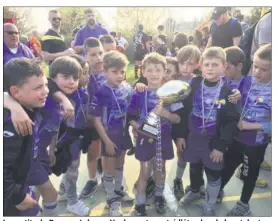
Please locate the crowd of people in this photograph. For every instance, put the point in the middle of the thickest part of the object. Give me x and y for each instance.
(85, 106)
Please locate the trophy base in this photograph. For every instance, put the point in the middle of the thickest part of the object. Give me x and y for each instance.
(148, 130)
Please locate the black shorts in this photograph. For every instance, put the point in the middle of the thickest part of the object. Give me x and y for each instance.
(72, 134)
(89, 134)
(139, 55)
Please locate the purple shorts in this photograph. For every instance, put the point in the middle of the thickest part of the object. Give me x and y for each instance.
(198, 150)
(146, 148)
(40, 169)
(123, 143)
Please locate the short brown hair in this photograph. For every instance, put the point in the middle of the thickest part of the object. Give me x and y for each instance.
(180, 40)
(173, 61)
(188, 52)
(107, 39)
(65, 65)
(264, 52)
(91, 43)
(234, 55)
(214, 52)
(114, 59)
(87, 11)
(154, 58)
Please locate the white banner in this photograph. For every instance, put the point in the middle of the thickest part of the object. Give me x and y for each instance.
(138, 219)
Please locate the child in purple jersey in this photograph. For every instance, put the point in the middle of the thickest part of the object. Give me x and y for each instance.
(65, 72)
(27, 85)
(76, 128)
(154, 66)
(172, 70)
(108, 43)
(94, 57)
(209, 123)
(254, 129)
(109, 109)
(234, 63)
(234, 79)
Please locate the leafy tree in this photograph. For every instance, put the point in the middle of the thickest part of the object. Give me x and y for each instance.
(23, 18)
(73, 17)
(255, 14)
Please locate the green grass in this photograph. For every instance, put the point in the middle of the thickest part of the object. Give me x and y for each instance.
(130, 77)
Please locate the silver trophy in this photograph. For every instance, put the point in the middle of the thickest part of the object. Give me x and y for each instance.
(171, 92)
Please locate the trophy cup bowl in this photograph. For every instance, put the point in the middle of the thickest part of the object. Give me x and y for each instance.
(171, 92)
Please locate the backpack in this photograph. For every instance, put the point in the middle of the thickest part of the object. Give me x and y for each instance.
(246, 44)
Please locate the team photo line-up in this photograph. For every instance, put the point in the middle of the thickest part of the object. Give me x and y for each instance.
(210, 98)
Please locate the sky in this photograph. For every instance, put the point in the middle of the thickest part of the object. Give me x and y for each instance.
(40, 15)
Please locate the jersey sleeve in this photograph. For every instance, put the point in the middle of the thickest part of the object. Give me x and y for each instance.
(237, 29)
(13, 143)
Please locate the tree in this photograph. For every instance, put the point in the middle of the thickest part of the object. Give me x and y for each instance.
(23, 18)
(255, 14)
(73, 17)
(128, 18)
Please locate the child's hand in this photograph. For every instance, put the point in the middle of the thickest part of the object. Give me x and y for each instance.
(235, 97)
(52, 159)
(110, 148)
(216, 156)
(21, 121)
(140, 87)
(134, 132)
(180, 144)
(243, 125)
(27, 203)
(160, 111)
(67, 109)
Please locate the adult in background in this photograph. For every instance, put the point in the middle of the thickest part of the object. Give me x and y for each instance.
(141, 48)
(52, 42)
(225, 31)
(12, 47)
(122, 42)
(246, 22)
(91, 29)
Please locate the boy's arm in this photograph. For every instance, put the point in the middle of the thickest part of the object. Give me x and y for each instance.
(13, 192)
(22, 123)
(227, 121)
(100, 129)
(68, 109)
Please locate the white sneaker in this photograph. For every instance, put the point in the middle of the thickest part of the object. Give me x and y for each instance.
(79, 209)
(115, 209)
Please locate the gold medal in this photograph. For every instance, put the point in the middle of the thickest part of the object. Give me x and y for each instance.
(204, 131)
(150, 140)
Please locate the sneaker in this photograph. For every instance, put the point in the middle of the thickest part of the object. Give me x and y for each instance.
(89, 189)
(189, 198)
(62, 197)
(114, 207)
(240, 209)
(178, 189)
(208, 210)
(266, 165)
(150, 189)
(131, 151)
(123, 194)
(261, 183)
(100, 167)
(140, 210)
(79, 209)
(201, 190)
(220, 196)
(160, 204)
